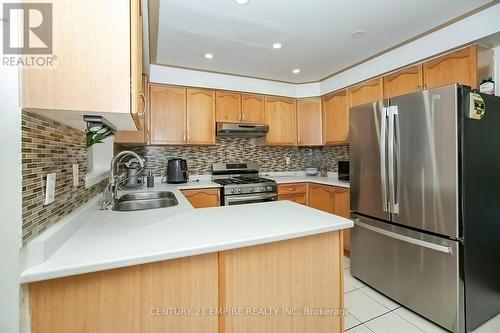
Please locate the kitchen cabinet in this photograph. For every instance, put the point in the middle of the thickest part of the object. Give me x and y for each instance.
(200, 116)
(280, 114)
(309, 122)
(252, 109)
(334, 200)
(228, 107)
(456, 67)
(296, 192)
(98, 72)
(201, 198)
(140, 136)
(365, 92)
(167, 115)
(404, 81)
(335, 119)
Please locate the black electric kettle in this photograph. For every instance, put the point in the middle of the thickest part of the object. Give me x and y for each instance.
(177, 171)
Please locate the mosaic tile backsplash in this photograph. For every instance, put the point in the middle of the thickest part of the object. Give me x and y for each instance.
(200, 158)
(47, 147)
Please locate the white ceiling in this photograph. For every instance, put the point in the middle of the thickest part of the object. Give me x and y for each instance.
(316, 34)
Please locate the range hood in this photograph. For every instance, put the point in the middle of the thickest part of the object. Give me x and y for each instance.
(241, 130)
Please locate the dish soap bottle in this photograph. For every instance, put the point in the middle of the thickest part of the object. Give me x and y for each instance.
(487, 86)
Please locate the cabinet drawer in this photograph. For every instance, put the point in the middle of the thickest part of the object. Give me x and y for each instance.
(300, 198)
(291, 188)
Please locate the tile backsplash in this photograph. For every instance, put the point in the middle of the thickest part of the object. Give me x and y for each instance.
(47, 147)
(200, 158)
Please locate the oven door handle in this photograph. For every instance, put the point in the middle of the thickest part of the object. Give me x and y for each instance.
(242, 198)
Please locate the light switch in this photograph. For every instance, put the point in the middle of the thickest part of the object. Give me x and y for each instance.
(75, 175)
(50, 189)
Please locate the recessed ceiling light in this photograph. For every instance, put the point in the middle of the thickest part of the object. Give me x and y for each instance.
(277, 45)
(296, 71)
(358, 34)
(241, 2)
(209, 55)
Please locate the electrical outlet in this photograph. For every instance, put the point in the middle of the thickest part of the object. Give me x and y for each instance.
(288, 161)
(50, 189)
(75, 175)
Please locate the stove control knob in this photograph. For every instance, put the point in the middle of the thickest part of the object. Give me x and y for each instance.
(262, 188)
(233, 191)
(251, 189)
(269, 188)
(239, 190)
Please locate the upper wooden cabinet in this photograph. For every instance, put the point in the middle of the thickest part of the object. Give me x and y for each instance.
(309, 122)
(200, 119)
(457, 67)
(228, 107)
(366, 92)
(280, 114)
(335, 119)
(404, 81)
(97, 68)
(140, 136)
(167, 115)
(252, 108)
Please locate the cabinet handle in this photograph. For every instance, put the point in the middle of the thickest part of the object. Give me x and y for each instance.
(143, 112)
(419, 87)
(292, 188)
(425, 86)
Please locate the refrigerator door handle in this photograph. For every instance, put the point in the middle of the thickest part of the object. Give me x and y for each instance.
(397, 163)
(390, 160)
(383, 161)
(418, 242)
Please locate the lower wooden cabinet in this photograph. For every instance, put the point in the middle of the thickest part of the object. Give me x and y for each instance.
(296, 192)
(202, 198)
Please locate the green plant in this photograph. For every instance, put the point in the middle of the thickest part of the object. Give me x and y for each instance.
(93, 138)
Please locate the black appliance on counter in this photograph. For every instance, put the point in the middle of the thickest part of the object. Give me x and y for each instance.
(177, 171)
(343, 170)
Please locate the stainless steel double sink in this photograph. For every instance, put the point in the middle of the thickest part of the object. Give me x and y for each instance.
(145, 200)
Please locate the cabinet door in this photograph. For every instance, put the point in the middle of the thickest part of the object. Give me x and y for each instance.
(281, 118)
(456, 67)
(335, 119)
(167, 115)
(341, 207)
(252, 108)
(200, 116)
(309, 122)
(202, 198)
(321, 197)
(404, 81)
(228, 107)
(366, 92)
(140, 136)
(137, 93)
(300, 198)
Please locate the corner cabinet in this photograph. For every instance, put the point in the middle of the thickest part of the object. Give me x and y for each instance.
(335, 119)
(98, 72)
(280, 115)
(309, 122)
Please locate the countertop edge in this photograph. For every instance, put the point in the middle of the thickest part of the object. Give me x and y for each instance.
(26, 277)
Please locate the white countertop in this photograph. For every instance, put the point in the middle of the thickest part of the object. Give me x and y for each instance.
(98, 240)
(300, 177)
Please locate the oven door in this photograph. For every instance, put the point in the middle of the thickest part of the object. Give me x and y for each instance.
(242, 199)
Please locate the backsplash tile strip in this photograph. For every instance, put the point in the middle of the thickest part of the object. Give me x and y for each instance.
(200, 158)
(48, 146)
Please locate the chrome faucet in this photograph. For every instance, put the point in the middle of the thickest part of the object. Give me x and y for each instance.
(111, 192)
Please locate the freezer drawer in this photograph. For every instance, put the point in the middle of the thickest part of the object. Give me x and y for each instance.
(417, 270)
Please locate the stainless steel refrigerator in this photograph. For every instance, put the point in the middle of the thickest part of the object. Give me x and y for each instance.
(425, 196)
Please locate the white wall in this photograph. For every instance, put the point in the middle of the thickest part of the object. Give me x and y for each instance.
(468, 30)
(10, 197)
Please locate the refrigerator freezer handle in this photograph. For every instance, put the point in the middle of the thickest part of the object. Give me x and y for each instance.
(397, 162)
(403, 238)
(390, 160)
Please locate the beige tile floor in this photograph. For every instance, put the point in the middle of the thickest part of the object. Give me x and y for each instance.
(371, 312)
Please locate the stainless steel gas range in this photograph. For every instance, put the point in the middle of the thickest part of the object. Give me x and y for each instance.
(241, 183)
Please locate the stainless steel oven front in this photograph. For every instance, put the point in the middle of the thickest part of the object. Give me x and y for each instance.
(241, 199)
